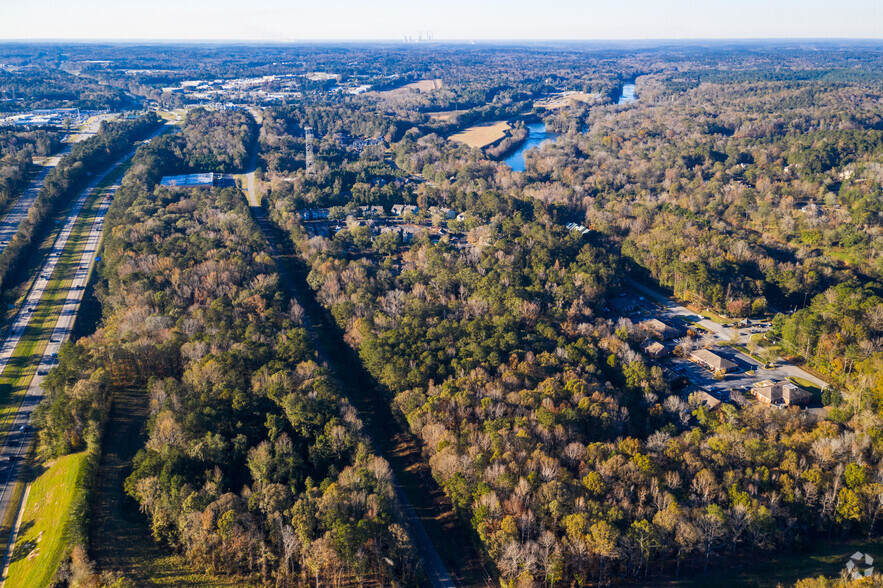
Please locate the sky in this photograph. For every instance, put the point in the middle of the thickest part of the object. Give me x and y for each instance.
(448, 20)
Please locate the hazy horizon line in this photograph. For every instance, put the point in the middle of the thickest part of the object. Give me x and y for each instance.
(463, 41)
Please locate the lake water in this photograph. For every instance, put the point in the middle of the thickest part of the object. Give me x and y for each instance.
(628, 94)
(536, 134)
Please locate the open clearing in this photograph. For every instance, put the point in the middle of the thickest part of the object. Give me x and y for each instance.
(444, 115)
(565, 99)
(412, 88)
(482, 135)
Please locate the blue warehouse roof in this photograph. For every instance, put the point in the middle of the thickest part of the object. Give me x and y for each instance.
(206, 180)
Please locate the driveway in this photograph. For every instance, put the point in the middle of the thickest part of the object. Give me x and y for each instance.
(673, 311)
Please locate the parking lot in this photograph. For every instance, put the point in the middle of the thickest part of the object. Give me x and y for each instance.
(669, 311)
(739, 379)
(642, 303)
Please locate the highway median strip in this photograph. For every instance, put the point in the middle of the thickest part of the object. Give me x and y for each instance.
(47, 313)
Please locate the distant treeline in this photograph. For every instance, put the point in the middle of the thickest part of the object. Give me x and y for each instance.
(44, 88)
(71, 174)
(17, 149)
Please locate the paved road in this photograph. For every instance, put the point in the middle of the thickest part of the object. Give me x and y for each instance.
(19, 211)
(21, 434)
(435, 567)
(92, 126)
(672, 309)
(781, 371)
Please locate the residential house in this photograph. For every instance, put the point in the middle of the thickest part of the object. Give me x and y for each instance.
(315, 213)
(446, 212)
(372, 210)
(402, 209)
(577, 228)
(406, 232)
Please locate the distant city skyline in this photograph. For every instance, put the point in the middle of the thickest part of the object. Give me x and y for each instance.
(451, 20)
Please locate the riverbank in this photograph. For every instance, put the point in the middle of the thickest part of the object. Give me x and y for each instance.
(536, 135)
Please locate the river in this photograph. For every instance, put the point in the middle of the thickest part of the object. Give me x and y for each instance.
(537, 134)
(628, 94)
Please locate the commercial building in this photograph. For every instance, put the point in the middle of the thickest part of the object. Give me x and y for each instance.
(712, 361)
(780, 393)
(660, 330)
(654, 349)
(701, 397)
(206, 180)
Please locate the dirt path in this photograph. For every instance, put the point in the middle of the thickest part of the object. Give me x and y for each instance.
(120, 538)
(117, 525)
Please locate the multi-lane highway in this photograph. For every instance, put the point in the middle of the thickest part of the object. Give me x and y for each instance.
(20, 434)
(19, 211)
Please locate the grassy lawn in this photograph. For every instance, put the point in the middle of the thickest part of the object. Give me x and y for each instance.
(744, 350)
(19, 372)
(42, 536)
(822, 559)
(847, 257)
(710, 315)
(809, 387)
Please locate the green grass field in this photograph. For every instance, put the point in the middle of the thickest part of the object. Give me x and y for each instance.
(42, 536)
(158, 569)
(850, 258)
(808, 386)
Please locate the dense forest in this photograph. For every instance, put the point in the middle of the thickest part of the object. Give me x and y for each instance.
(256, 465)
(744, 181)
(569, 453)
(17, 150)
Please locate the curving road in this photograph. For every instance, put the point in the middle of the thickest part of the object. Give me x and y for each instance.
(20, 433)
